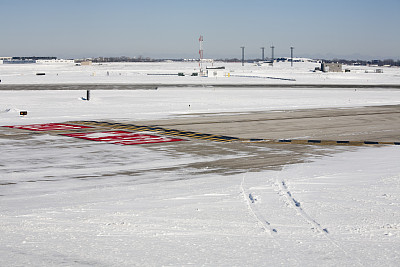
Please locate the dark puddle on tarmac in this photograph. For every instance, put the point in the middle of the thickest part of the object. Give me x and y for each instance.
(237, 157)
(79, 157)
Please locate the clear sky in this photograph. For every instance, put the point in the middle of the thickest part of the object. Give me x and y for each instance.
(364, 29)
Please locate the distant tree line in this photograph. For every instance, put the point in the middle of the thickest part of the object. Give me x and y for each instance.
(123, 59)
(132, 59)
(385, 62)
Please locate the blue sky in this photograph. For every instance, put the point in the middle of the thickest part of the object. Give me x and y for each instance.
(362, 29)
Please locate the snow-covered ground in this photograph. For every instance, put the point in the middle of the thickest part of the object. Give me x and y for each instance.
(71, 202)
(135, 105)
(300, 73)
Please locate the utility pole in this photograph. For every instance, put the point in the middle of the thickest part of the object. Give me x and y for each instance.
(242, 55)
(291, 55)
(262, 53)
(272, 49)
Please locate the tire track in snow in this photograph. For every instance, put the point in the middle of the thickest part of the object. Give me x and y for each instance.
(251, 201)
(284, 191)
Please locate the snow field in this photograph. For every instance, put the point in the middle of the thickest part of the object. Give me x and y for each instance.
(128, 105)
(71, 202)
(123, 73)
(144, 207)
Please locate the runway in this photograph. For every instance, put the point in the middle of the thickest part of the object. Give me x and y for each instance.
(223, 135)
(379, 123)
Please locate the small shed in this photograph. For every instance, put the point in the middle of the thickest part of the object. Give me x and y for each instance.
(86, 63)
(331, 67)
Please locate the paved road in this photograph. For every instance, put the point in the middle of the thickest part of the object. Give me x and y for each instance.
(380, 123)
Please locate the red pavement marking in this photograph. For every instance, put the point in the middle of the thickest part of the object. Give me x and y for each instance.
(48, 127)
(123, 138)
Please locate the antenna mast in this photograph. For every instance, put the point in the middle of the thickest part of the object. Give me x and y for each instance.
(201, 54)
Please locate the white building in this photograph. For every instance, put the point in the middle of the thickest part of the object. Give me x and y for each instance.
(218, 73)
(4, 58)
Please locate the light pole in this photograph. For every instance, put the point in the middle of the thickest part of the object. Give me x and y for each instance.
(242, 55)
(272, 50)
(291, 55)
(262, 53)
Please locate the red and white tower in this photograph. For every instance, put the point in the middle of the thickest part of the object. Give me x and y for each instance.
(201, 54)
